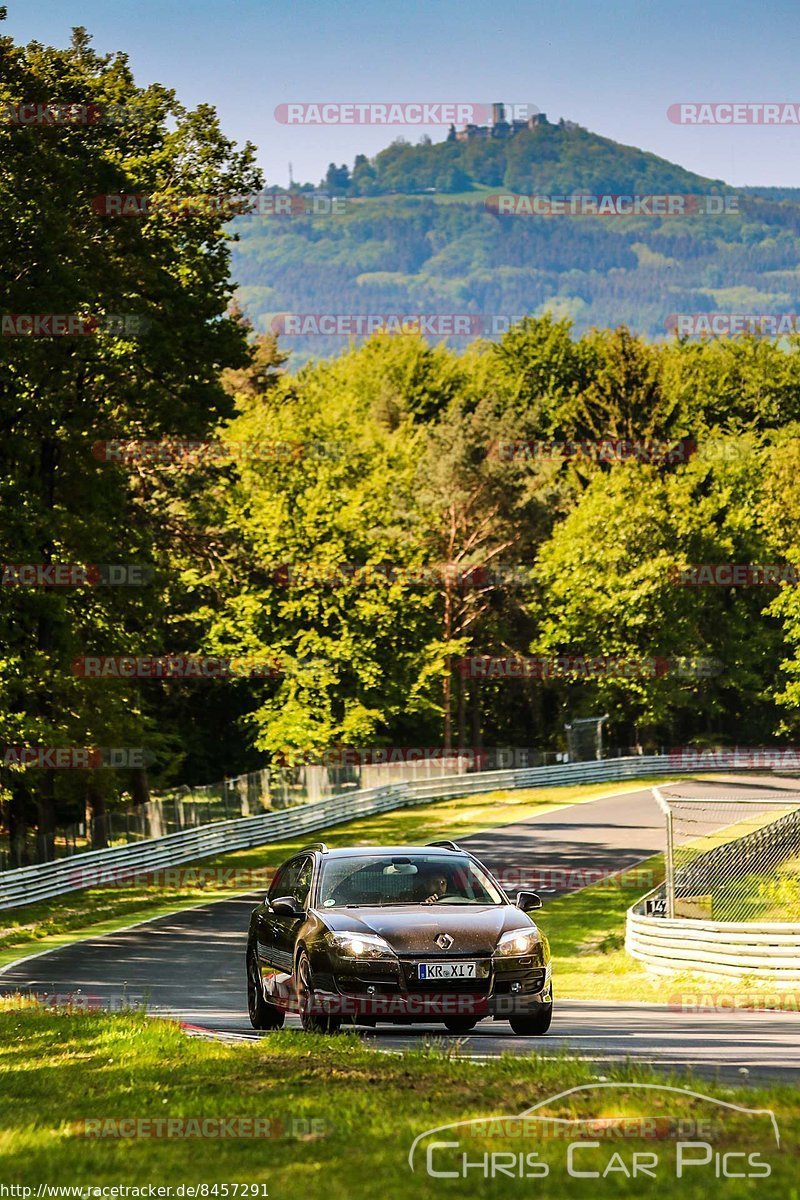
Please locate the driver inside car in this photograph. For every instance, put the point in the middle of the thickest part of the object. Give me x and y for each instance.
(433, 887)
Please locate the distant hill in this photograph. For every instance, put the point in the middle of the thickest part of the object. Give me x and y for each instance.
(417, 235)
(557, 158)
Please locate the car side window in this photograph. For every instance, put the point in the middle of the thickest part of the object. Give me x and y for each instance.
(280, 883)
(302, 884)
(293, 879)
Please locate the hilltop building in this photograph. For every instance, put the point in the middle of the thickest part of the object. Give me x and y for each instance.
(500, 127)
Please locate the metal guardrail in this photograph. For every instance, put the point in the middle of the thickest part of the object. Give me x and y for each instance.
(262, 790)
(742, 949)
(27, 885)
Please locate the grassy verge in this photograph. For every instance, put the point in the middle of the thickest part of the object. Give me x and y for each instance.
(98, 910)
(343, 1117)
(587, 936)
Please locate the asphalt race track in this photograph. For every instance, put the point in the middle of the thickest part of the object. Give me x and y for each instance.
(191, 965)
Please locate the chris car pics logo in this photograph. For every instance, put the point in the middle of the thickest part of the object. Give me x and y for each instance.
(661, 1132)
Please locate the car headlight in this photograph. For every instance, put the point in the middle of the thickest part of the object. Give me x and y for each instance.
(360, 945)
(519, 943)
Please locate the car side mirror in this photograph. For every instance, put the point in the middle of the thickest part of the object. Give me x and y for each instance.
(528, 900)
(284, 906)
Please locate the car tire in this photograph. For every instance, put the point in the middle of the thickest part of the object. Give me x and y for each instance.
(311, 1020)
(459, 1024)
(262, 1015)
(533, 1024)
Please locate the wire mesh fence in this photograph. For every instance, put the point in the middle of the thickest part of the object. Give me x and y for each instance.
(732, 858)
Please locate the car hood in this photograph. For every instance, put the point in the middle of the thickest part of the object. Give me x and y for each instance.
(413, 929)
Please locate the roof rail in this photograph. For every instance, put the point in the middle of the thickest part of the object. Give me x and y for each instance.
(445, 843)
(315, 846)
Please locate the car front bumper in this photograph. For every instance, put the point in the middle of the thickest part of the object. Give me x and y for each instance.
(508, 989)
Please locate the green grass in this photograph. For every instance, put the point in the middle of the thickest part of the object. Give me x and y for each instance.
(349, 1114)
(760, 896)
(99, 910)
(587, 937)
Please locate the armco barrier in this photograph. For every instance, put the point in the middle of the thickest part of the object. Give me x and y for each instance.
(758, 951)
(26, 885)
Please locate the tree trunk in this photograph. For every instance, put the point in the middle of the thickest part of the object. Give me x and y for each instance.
(17, 828)
(462, 710)
(46, 818)
(97, 802)
(475, 715)
(448, 666)
(139, 785)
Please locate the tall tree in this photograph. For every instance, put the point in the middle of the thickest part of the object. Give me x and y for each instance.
(152, 293)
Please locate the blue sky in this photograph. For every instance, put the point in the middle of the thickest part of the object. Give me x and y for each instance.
(614, 67)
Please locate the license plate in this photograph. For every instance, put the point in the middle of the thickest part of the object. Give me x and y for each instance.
(448, 970)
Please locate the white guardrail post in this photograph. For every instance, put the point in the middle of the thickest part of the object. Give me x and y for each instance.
(669, 860)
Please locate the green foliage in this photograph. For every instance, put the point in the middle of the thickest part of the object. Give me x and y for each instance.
(589, 547)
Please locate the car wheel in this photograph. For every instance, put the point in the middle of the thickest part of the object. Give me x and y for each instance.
(312, 1020)
(533, 1024)
(459, 1024)
(262, 1015)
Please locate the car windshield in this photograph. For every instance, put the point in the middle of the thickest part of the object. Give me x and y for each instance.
(404, 879)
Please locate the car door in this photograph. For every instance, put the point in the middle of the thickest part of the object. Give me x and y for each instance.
(265, 933)
(294, 881)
